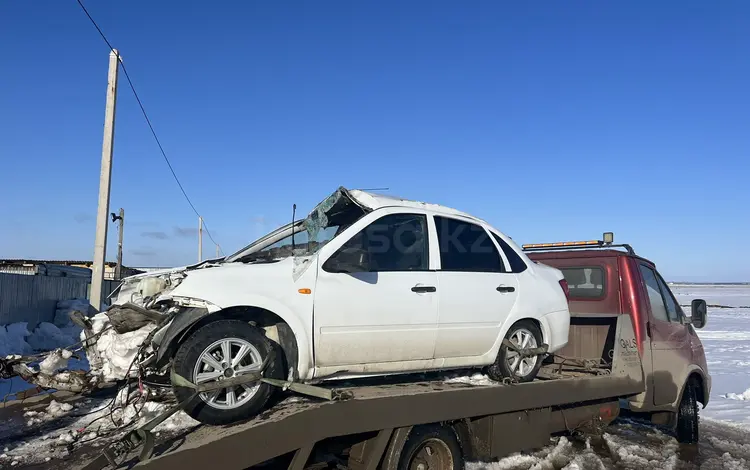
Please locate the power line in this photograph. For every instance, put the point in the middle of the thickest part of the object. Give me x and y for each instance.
(148, 121)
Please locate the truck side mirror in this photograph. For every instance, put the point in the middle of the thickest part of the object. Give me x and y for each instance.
(698, 313)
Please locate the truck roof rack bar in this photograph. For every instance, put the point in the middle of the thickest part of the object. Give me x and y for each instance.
(606, 242)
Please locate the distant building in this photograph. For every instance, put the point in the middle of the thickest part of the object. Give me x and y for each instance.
(61, 268)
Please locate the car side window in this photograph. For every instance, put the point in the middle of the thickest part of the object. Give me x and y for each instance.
(395, 242)
(672, 307)
(466, 247)
(658, 308)
(516, 263)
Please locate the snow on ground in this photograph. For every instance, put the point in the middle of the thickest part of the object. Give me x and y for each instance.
(17, 339)
(726, 339)
(473, 379)
(635, 445)
(726, 295)
(57, 430)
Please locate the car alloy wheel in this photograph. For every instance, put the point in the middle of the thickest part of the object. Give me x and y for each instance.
(223, 359)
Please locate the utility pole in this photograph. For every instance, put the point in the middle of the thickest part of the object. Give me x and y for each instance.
(200, 239)
(121, 218)
(105, 177)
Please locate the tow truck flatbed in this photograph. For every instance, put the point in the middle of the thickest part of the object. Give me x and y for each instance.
(374, 426)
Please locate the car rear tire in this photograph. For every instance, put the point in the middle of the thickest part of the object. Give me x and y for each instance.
(225, 348)
(687, 416)
(431, 447)
(524, 333)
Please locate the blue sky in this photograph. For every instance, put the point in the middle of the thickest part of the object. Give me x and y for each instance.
(553, 121)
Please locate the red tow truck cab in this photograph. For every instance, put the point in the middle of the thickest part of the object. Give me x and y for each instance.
(607, 280)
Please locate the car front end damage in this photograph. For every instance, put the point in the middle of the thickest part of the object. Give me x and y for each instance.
(121, 342)
(150, 313)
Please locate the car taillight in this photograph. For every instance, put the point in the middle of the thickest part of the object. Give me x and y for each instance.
(565, 288)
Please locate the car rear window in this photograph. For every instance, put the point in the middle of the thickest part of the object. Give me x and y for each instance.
(585, 282)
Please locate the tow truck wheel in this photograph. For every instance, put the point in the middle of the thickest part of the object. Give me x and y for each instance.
(687, 416)
(523, 334)
(431, 447)
(220, 350)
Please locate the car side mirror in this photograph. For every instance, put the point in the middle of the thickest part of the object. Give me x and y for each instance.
(349, 260)
(698, 313)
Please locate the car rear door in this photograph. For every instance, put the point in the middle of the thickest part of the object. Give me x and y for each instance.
(670, 341)
(476, 291)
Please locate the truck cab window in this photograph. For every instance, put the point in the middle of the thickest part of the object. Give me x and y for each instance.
(585, 282)
(466, 247)
(658, 308)
(672, 307)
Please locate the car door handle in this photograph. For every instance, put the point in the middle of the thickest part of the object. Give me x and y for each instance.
(424, 289)
(505, 289)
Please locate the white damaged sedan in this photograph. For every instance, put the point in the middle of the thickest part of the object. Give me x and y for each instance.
(365, 285)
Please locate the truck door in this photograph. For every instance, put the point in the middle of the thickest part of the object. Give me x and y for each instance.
(670, 341)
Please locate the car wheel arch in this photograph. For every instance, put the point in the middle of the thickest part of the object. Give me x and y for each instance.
(278, 329)
(543, 328)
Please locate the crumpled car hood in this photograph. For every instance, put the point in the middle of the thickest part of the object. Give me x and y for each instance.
(139, 288)
(210, 283)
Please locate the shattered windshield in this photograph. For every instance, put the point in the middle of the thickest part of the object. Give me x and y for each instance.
(323, 224)
(303, 245)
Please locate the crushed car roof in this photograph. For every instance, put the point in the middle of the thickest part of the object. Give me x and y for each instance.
(375, 201)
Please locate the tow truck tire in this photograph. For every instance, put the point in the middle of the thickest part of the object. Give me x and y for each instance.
(500, 369)
(687, 416)
(434, 447)
(239, 334)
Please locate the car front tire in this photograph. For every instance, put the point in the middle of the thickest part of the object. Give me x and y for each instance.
(221, 349)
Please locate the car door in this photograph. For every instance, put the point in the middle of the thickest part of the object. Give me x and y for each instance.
(476, 291)
(670, 340)
(385, 310)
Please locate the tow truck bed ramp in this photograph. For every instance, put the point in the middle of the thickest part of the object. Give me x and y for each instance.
(497, 419)
(296, 425)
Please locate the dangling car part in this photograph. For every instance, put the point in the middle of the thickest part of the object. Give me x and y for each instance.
(115, 452)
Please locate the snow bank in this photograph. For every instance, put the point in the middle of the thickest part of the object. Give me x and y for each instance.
(13, 339)
(744, 396)
(16, 339)
(47, 337)
(117, 351)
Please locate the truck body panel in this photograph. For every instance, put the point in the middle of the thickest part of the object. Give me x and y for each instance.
(607, 282)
